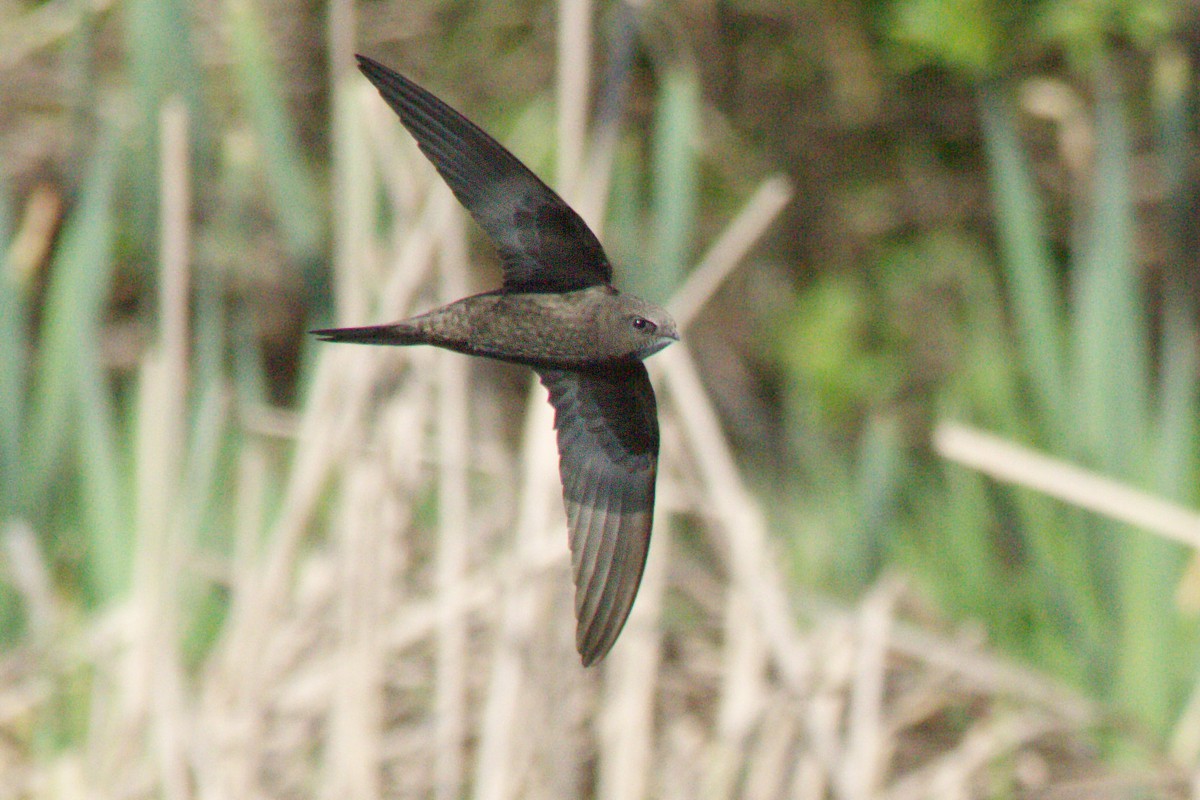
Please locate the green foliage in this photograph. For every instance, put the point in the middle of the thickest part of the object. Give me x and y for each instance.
(653, 254)
(1083, 26)
(1108, 588)
(75, 304)
(964, 34)
(675, 179)
(72, 466)
(1060, 344)
(13, 353)
(14, 313)
(827, 346)
(58, 432)
(1063, 353)
(980, 38)
(290, 185)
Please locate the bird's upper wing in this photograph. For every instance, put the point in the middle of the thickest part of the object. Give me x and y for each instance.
(608, 457)
(545, 245)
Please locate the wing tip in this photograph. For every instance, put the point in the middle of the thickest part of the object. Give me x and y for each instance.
(370, 67)
(592, 652)
(598, 638)
(598, 632)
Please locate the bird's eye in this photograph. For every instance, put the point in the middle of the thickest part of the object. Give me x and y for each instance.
(643, 324)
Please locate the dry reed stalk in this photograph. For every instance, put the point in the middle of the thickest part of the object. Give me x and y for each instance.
(1022, 466)
(26, 571)
(626, 717)
(334, 422)
(958, 773)
(352, 749)
(729, 501)
(226, 706)
(742, 233)
(965, 663)
(342, 386)
(478, 597)
(770, 755)
(453, 535)
(574, 72)
(1184, 747)
(151, 700)
(864, 760)
(501, 727)
(353, 200)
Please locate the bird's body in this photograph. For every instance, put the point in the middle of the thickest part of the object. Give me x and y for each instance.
(558, 313)
(580, 329)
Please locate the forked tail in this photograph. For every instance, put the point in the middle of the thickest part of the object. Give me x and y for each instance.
(399, 333)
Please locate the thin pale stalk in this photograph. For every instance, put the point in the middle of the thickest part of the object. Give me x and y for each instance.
(1023, 466)
(574, 73)
(746, 229)
(454, 521)
(632, 679)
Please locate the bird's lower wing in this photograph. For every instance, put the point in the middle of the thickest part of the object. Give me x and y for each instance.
(607, 427)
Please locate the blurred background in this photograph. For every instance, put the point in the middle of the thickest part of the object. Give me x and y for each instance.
(239, 564)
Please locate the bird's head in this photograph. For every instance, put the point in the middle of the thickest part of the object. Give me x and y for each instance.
(647, 328)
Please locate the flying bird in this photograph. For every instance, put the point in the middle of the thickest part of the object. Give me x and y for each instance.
(558, 313)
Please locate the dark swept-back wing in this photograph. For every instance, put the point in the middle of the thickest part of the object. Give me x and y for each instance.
(545, 245)
(608, 458)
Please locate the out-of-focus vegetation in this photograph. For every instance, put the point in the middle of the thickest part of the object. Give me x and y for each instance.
(995, 222)
(1068, 324)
